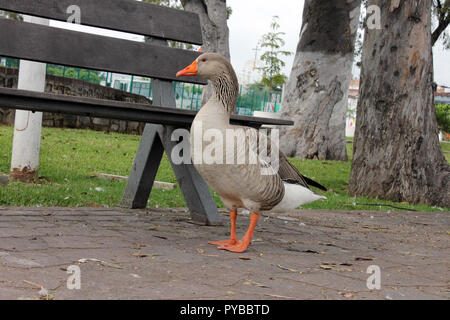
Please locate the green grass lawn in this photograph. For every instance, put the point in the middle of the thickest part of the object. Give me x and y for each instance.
(446, 149)
(70, 159)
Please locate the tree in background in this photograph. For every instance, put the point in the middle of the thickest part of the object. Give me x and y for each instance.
(216, 35)
(316, 94)
(440, 22)
(213, 16)
(441, 12)
(397, 155)
(273, 41)
(443, 117)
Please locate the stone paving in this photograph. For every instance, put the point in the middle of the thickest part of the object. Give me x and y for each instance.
(162, 254)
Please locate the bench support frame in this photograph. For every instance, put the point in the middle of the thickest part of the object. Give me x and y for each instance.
(155, 140)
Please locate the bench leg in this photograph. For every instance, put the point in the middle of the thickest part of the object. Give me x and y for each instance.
(143, 172)
(195, 190)
(156, 139)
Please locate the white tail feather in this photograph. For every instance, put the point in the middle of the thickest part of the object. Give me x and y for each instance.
(294, 196)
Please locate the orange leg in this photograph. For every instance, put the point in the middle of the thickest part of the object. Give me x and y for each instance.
(247, 239)
(233, 239)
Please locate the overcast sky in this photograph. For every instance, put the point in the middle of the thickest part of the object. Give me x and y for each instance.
(251, 19)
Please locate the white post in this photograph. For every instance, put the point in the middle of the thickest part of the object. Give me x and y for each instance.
(27, 126)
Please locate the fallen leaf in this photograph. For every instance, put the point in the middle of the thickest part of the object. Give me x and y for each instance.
(375, 227)
(200, 251)
(140, 255)
(251, 282)
(363, 259)
(33, 284)
(244, 258)
(333, 266)
(84, 260)
(348, 295)
(311, 251)
(288, 269)
(111, 265)
(325, 267)
(278, 296)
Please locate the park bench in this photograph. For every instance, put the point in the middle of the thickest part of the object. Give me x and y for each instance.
(155, 60)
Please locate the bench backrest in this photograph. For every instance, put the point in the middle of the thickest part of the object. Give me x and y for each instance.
(77, 49)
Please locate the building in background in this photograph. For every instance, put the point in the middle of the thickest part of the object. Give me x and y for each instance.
(353, 95)
(251, 72)
(442, 95)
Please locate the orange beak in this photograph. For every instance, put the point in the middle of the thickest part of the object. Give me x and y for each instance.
(190, 70)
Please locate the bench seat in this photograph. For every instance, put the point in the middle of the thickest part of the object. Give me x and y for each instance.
(91, 107)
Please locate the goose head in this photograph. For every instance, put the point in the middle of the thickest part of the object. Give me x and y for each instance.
(220, 72)
(207, 66)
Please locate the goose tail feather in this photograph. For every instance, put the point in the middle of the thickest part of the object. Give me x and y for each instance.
(296, 195)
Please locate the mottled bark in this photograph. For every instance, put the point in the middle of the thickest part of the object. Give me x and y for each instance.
(397, 155)
(316, 95)
(213, 19)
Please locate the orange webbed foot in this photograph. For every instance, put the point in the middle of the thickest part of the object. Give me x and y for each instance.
(233, 239)
(229, 242)
(247, 240)
(238, 248)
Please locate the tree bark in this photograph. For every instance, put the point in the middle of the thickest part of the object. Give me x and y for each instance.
(316, 95)
(213, 19)
(397, 155)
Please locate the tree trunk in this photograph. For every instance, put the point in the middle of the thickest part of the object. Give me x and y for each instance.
(316, 96)
(397, 155)
(213, 19)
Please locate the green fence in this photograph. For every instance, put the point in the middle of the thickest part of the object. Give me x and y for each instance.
(75, 73)
(10, 63)
(62, 71)
(250, 100)
(257, 99)
(187, 96)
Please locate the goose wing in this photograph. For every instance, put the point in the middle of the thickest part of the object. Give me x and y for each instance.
(289, 173)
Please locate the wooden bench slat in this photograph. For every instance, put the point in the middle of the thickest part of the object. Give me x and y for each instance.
(120, 15)
(53, 45)
(47, 102)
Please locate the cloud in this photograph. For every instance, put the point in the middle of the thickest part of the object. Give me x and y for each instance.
(251, 19)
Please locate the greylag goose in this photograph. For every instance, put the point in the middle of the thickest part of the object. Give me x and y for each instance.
(256, 186)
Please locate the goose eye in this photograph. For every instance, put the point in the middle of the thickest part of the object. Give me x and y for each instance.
(203, 60)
